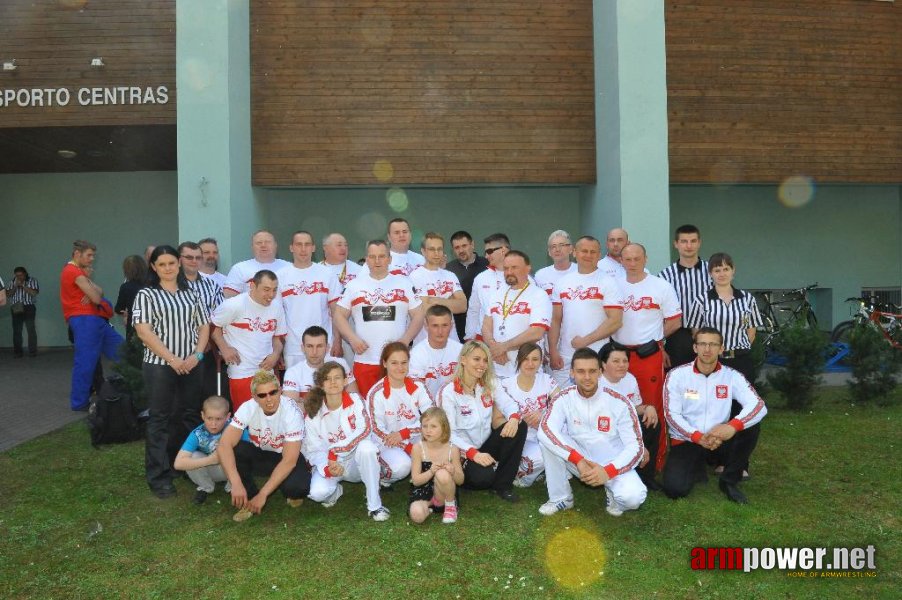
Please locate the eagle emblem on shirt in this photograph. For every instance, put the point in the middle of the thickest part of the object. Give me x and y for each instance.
(604, 424)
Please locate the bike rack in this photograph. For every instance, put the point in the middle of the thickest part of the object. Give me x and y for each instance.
(836, 352)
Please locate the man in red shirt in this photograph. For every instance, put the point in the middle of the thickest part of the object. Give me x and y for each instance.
(82, 301)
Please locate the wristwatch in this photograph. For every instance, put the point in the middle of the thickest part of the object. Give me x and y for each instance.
(199, 356)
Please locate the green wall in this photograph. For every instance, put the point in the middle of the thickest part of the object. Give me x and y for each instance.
(527, 214)
(44, 213)
(845, 238)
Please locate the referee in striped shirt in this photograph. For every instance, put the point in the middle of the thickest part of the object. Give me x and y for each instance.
(689, 277)
(734, 313)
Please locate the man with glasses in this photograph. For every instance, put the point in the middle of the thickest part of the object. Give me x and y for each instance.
(264, 438)
(697, 401)
(486, 284)
(466, 266)
(559, 250)
(210, 295)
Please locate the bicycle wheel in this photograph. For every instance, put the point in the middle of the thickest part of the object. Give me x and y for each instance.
(842, 332)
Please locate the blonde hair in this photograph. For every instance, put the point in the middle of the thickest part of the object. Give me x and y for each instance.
(487, 381)
(263, 378)
(439, 415)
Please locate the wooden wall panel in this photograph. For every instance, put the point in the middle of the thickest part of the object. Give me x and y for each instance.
(450, 92)
(760, 90)
(53, 42)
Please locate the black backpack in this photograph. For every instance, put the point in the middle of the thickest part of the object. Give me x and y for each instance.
(112, 417)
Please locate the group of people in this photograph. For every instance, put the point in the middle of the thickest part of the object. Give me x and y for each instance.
(470, 373)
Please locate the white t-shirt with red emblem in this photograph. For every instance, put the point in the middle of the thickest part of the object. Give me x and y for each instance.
(379, 311)
(627, 387)
(299, 378)
(249, 328)
(536, 399)
(434, 366)
(485, 284)
(646, 305)
(583, 298)
(401, 264)
(525, 308)
(306, 295)
(241, 274)
(344, 272)
(269, 432)
(547, 277)
(439, 283)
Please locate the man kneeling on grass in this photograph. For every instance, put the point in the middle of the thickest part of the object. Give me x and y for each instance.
(264, 437)
(697, 401)
(593, 433)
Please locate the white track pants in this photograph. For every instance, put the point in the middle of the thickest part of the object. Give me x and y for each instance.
(628, 490)
(394, 463)
(531, 463)
(360, 465)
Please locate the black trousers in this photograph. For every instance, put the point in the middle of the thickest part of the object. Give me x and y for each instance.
(686, 462)
(26, 319)
(679, 347)
(650, 437)
(173, 402)
(745, 365)
(252, 461)
(507, 453)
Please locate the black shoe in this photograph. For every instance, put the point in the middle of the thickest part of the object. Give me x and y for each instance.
(652, 485)
(733, 493)
(200, 497)
(508, 495)
(165, 492)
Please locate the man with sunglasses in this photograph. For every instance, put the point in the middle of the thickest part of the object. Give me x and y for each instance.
(486, 283)
(264, 438)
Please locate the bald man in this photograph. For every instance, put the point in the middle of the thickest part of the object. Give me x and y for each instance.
(611, 264)
(264, 249)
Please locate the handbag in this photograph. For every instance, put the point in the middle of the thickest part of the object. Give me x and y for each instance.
(17, 308)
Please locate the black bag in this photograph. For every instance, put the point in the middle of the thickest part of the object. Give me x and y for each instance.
(112, 417)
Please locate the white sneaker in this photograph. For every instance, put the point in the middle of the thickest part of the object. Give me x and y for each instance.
(613, 507)
(555, 506)
(333, 497)
(380, 514)
(228, 487)
(518, 482)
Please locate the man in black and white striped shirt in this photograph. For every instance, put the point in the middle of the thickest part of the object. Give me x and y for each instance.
(689, 277)
(20, 294)
(210, 295)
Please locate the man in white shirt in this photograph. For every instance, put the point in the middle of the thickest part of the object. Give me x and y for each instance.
(434, 285)
(651, 312)
(309, 292)
(249, 331)
(697, 404)
(383, 308)
(559, 250)
(586, 309)
(209, 266)
(264, 436)
(518, 314)
(335, 258)
(486, 283)
(403, 259)
(299, 378)
(264, 248)
(615, 242)
(592, 433)
(434, 359)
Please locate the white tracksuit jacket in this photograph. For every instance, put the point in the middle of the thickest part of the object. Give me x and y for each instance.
(398, 410)
(323, 444)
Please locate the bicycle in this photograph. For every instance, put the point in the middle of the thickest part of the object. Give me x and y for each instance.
(793, 302)
(876, 314)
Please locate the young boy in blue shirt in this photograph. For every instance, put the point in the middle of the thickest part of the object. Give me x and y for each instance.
(198, 457)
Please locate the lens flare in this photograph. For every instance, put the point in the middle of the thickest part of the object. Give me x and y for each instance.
(370, 226)
(397, 199)
(796, 191)
(383, 170)
(574, 557)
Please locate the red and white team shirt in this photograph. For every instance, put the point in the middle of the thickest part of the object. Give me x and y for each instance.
(249, 328)
(611, 268)
(434, 366)
(299, 378)
(344, 272)
(535, 399)
(627, 387)
(401, 264)
(241, 274)
(439, 283)
(217, 277)
(307, 295)
(269, 432)
(513, 312)
(379, 311)
(397, 410)
(548, 277)
(583, 298)
(646, 305)
(335, 434)
(485, 284)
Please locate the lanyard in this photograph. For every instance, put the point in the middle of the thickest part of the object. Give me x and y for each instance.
(505, 308)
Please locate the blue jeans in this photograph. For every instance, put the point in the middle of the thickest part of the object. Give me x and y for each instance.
(93, 336)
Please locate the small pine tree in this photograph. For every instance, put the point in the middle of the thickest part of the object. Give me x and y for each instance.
(129, 368)
(875, 365)
(804, 349)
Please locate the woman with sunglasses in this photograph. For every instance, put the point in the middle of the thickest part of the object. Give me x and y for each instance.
(174, 327)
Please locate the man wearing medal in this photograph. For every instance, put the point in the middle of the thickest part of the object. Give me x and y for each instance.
(518, 313)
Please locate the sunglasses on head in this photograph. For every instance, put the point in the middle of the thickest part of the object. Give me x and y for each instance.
(263, 395)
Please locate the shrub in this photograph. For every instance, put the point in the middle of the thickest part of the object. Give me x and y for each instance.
(129, 368)
(875, 365)
(804, 350)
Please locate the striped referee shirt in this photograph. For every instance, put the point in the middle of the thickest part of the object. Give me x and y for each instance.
(174, 318)
(732, 320)
(208, 291)
(688, 282)
(16, 294)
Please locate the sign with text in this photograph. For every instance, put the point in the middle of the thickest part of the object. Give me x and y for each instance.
(85, 96)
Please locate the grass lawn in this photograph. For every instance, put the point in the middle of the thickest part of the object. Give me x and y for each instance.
(80, 523)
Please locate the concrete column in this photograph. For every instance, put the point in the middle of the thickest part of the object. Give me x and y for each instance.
(215, 196)
(632, 189)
